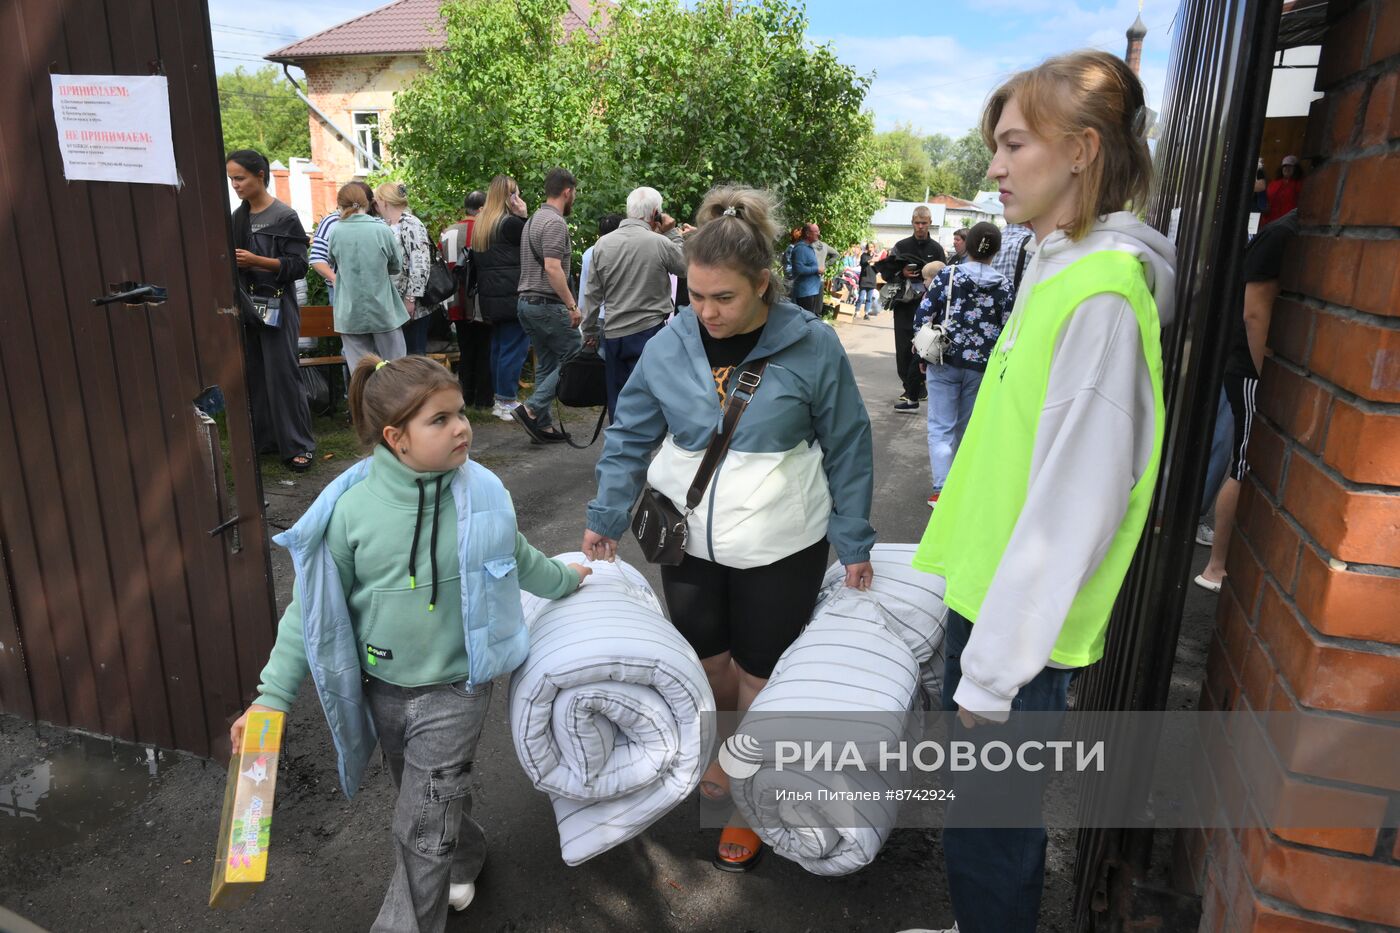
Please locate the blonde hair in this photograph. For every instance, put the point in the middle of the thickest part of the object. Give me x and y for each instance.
(493, 211)
(931, 270)
(1069, 94)
(737, 228)
(921, 211)
(389, 395)
(351, 198)
(391, 193)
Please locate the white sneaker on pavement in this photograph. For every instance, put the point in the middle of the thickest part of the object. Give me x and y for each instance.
(1205, 535)
(502, 411)
(460, 895)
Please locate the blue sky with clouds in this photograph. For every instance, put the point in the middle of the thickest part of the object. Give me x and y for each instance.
(932, 64)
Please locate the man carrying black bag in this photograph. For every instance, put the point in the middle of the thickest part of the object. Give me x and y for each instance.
(631, 274)
(901, 270)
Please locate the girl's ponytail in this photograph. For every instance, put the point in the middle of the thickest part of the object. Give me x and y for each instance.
(388, 394)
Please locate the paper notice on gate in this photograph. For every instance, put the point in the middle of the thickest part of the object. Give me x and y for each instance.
(115, 128)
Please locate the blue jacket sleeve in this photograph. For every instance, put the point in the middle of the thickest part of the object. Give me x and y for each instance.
(638, 429)
(804, 260)
(843, 429)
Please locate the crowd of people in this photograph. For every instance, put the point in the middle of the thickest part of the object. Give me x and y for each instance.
(1037, 349)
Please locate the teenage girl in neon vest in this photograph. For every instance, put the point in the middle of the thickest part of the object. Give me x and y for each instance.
(1049, 492)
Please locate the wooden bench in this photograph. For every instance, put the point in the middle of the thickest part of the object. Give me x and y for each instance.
(319, 321)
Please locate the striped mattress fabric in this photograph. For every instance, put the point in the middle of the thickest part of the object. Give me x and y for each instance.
(858, 673)
(611, 713)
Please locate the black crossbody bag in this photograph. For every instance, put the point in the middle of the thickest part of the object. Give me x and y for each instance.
(659, 526)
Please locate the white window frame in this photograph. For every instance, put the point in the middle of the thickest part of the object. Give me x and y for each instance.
(366, 138)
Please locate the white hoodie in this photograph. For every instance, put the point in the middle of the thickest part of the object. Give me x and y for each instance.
(1094, 440)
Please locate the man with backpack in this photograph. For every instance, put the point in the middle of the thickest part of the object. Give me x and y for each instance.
(473, 333)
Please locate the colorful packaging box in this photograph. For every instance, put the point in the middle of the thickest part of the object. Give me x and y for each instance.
(246, 826)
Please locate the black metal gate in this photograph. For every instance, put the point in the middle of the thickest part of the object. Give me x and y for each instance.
(1217, 89)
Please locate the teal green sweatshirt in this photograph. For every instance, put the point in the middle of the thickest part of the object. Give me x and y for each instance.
(402, 640)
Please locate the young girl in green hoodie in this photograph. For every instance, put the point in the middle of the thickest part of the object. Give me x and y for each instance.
(406, 605)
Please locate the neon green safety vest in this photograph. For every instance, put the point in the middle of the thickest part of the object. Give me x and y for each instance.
(986, 488)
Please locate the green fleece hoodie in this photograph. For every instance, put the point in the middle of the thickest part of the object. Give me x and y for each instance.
(408, 639)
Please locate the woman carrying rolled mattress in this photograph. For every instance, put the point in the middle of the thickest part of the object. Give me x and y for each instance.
(797, 475)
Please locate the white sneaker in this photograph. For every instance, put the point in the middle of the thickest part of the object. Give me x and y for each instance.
(502, 411)
(460, 895)
(1205, 535)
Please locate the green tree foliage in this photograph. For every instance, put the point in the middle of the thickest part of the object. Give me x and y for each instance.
(677, 99)
(903, 163)
(259, 110)
(911, 163)
(968, 160)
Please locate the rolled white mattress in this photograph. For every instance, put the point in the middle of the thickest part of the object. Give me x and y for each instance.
(611, 713)
(855, 676)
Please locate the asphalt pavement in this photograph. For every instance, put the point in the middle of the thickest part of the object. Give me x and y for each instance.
(131, 849)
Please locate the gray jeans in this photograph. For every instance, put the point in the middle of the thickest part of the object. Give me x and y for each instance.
(429, 737)
(387, 346)
(555, 341)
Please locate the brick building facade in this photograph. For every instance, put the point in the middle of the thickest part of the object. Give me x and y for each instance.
(1309, 617)
(354, 69)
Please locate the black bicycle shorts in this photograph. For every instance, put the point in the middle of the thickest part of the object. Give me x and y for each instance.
(753, 614)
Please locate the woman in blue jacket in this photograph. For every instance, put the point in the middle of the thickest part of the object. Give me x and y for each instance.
(798, 473)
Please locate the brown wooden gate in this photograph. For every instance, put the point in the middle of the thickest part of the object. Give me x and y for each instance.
(120, 612)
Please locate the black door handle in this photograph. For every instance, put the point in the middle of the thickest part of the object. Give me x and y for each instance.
(132, 293)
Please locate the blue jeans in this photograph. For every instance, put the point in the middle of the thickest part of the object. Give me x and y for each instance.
(996, 875)
(869, 299)
(951, 394)
(555, 341)
(415, 335)
(1219, 452)
(508, 348)
(620, 355)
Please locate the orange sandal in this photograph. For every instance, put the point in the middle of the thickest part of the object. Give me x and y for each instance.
(745, 839)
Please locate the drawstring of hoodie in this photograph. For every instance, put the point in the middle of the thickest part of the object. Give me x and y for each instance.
(432, 542)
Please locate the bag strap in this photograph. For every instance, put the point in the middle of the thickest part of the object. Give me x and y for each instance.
(739, 398)
(1020, 265)
(569, 438)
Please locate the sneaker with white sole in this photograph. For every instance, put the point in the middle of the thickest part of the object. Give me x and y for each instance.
(502, 411)
(460, 895)
(1205, 535)
(906, 406)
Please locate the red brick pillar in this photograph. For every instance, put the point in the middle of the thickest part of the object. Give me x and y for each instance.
(320, 205)
(1310, 614)
(281, 186)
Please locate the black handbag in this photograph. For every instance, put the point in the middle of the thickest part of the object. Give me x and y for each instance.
(583, 383)
(660, 527)
(442, 284)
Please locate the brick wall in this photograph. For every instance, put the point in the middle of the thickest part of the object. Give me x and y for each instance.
(1310, 614)
(339, 87)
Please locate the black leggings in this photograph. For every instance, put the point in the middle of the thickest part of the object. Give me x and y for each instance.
(754, 614)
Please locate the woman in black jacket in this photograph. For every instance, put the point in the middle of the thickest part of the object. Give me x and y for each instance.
(496, 253)
(270, 252)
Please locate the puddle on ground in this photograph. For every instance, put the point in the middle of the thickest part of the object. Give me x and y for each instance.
(73, 790)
